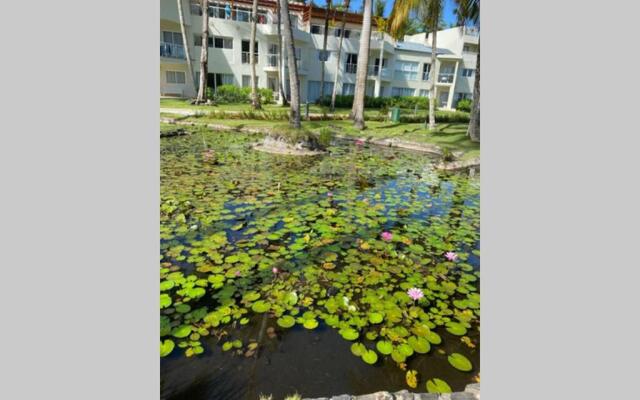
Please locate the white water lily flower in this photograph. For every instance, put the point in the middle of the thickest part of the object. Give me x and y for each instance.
(194, 227)
(346, 301)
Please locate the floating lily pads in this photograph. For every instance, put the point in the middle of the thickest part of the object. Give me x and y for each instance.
(181, 331)
(436, 385)
(286, 321)
(166, 347)
(349, 333)
(260, 306)
(370, 357)
(456, 328)
(419, 344)
(460, 362)
(384, 347)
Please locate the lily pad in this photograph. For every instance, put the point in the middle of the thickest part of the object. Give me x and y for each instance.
(181, 331)
(460, 362)
(456, 328)
(419, 345)
(436, 385)
(260, 306)
(384, 347)
(166, 347)
(286, 321)
(310, 324)
(349, 333)
(375, 318)
(370, 357)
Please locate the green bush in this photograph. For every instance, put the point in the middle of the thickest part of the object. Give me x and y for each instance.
(325, 137)
(378, 102)
(464, 105)
(228, 94)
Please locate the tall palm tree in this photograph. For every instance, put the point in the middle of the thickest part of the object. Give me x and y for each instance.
(381, 24)
(468, 12)
(187, 52)
(204, 53)
(429, 11)
(282, 99)
(255, 98)
(345, 8)
(357, 111)
(324, 47)
(294, 115)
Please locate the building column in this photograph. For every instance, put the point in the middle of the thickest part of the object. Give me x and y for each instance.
(453, 85)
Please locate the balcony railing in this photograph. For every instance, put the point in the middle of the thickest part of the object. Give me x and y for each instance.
(246, 57)
(234, 14)
(171, 50)
(350, 68)
(445, 78)
(374, 69)
(272, 60)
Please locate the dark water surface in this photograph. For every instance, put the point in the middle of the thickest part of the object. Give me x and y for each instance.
(318, 362)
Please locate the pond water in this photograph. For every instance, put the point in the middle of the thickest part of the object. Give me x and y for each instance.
(284, 274)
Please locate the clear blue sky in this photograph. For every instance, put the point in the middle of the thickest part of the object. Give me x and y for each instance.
(356, 4)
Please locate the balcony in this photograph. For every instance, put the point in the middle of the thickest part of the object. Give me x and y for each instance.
(350, 68)
(471, 31)
(246, 57)
(373, 70)
(171, 50)
(445, 78)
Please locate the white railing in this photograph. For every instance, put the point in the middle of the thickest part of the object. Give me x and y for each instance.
(272, 60)
(171, 50)
(445, 78)
(234, 14)
(350, 68)
(374, 69)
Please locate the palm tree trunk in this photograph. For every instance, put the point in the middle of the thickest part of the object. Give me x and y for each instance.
(474, 124)
(294, 116)
(255, 98)
(187, 52)
(324, 47)
(432, 81)
(335, 76)
(381, 58)
(357, 111)
(283, 96)
(204, 54)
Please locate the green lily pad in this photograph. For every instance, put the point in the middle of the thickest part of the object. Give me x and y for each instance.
(455, 328)
(310, 324)
(375, 318)
(181, 331)
(286, 321)
(436, 385)
(260, 306)
(166, 347)
(349, 333)
(460, 362)
(358, 349)
(405, 349)
(165, 300)
(419, 345)
(226, 346)
(384, 347)
(433, 338)
(370, 357)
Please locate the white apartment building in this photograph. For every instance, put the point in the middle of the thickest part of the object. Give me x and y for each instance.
(396, 68)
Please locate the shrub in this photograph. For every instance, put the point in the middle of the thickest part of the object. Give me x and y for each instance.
(227, 94)
(464, 105)
(378, 102)
(325, 137)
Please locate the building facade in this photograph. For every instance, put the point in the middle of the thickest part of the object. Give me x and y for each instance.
(396, 68)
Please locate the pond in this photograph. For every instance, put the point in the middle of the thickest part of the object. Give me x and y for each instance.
(347, 272)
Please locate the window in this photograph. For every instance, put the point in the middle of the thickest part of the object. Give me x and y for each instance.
(197, 40)
(323, 56)
(425, 93)
(195, 8)
(172, 37)
(222, 42)
(352, 63)
(272, 57)
(246, 59)
(223, 79)
(470, 48)
(426, 68)
(246, 81)
(348, 89)
(175, 77)
(406, 71)
(317, 30)
(468, 72)
(397, 91)
(446, 73)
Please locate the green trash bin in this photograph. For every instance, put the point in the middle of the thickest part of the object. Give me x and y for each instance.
(395, 114)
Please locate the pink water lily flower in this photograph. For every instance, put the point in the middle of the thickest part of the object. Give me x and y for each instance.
(274, 270)
(238, 273)
(415, 294)
(387, 236)
(451, 256)
(329, 194)
(359, 142)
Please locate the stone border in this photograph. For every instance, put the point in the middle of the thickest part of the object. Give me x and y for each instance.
(389, 142)
(471, 392)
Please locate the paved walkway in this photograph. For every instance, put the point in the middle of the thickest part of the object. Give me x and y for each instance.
(471, 392)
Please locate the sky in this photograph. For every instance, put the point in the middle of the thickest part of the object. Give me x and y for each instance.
(356, 4)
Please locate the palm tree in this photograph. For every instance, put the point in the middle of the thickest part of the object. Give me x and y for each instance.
(345, 8)
(187, 52)
(282, 99)
(324, 47)
(429, 11)
(381, 24)
(357, 111)
(255, 98)
(468, 12)
(204, 53)
(294, 115)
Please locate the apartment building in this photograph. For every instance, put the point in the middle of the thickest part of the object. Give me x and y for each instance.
(396, 68)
